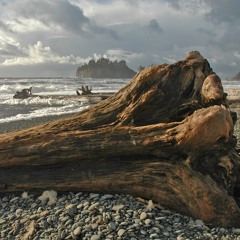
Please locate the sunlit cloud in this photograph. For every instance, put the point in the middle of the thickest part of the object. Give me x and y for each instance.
(38, 54)
(119, 54)
(236, 54)
(27, 25)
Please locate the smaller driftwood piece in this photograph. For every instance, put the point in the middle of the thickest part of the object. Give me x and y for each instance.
(24, 93)
(166, 136)
(84, 90)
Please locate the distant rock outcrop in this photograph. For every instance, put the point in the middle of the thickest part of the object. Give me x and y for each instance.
(236, 77)
(104, 68)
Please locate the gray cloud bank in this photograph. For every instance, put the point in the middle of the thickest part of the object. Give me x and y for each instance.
(52, 38)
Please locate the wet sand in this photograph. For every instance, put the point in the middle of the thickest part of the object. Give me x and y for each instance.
(21, 124)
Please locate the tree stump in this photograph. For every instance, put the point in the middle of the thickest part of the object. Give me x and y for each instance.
(166, 136)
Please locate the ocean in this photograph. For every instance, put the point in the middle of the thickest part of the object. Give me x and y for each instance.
(25, 109)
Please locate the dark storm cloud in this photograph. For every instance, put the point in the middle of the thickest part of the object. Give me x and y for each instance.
(206, 32)
(230, 40)
(40, 70)
(11, 50)
(174, 4)
(223, 67)
(58, 12)
(224, 11)
(55, 14)
(218, 10)
(4, 27)
(190, 6)
(154, 26)
(107, 31)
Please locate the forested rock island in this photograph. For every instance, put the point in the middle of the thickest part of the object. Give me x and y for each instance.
(104, 68)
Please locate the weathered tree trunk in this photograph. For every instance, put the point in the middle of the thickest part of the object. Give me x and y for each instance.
(166, 136)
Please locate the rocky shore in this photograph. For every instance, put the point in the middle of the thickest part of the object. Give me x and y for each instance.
(92, 216)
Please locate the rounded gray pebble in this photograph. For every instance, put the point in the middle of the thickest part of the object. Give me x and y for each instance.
(112, 225)
(148, 221)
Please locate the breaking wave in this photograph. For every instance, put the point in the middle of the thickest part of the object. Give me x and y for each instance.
(18, 109)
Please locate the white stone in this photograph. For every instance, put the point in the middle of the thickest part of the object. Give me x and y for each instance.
(143, 232)
(93, 206)
(121, 232)
(150, 205)
(166, 234)
(222, 230)
(14, 199)
(95, 237)
(77, 231)
(94, 195)
(154, 235)
(70, 206)
(2, 220)
(236, 230)
(191, 222)
(117, 207)
(199, 222)
(148, 221)
(180, 237)
(106, 196)
(79, 206)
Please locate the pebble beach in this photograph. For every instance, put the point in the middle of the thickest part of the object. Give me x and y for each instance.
(94, 216)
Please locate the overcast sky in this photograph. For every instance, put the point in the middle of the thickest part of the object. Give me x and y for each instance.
(54, 37)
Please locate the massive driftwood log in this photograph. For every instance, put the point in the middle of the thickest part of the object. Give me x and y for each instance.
(166, 136)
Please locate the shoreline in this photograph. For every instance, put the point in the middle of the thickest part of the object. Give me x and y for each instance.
(233, 101)
(5, 127)
(27, 123)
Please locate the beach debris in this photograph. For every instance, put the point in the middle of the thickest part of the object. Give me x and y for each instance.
(24, 93)
(49, 196)
(25, 195)
(84, 90)
(31, 229)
